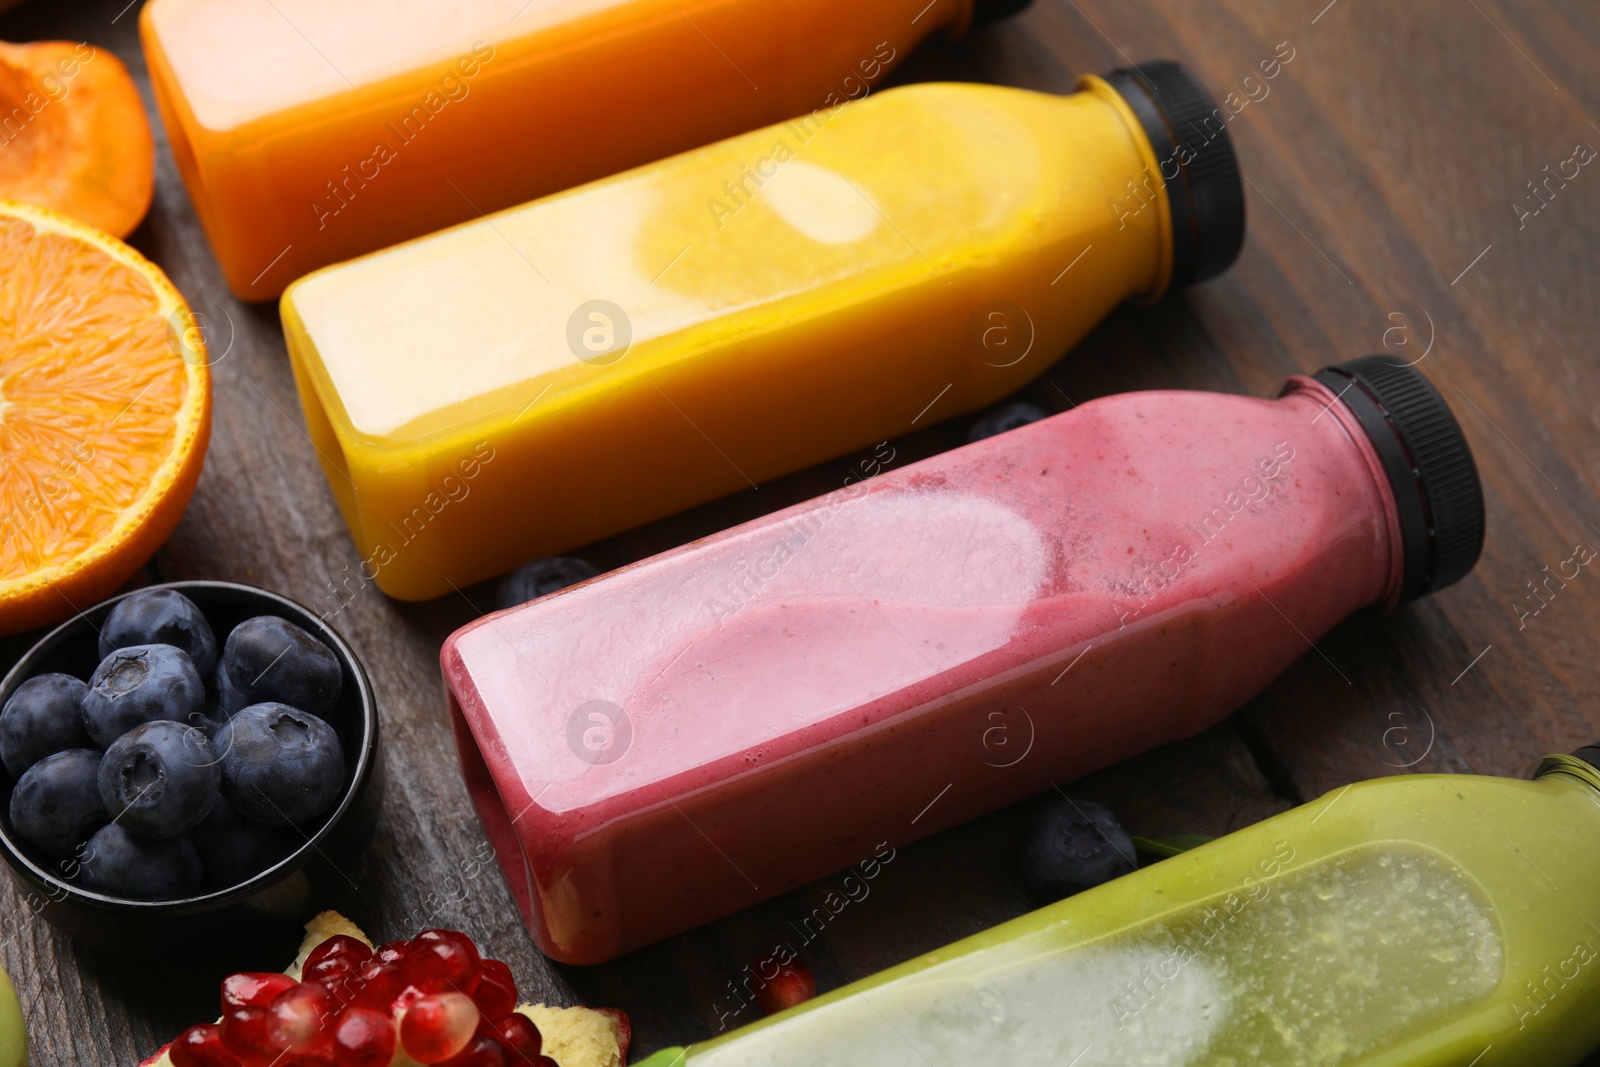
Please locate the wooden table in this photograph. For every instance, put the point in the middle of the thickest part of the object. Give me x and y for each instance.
(1386, 165)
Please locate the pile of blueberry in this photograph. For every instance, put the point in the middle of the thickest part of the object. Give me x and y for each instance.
(174, 768)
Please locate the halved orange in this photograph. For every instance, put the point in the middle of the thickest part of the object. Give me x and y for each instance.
(105, 409)
(74, 135)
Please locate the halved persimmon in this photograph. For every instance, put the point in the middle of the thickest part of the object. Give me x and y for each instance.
(73, 134)
(105, 410)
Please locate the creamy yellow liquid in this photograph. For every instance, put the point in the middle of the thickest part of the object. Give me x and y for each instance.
(414, 330)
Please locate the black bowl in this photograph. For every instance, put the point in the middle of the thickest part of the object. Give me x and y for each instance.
(278, 897)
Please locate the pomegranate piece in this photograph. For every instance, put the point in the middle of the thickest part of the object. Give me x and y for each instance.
(442, 960)
(438, 1026)
(299, 1019)
(519, 1037)
(317, 1057)
(252, 990)
(376, 984)
(341, 946)
(483, 1051)
(625, 1028)
(785, 983)
(201, 1046)
(247, 1033)
(363, 1038)
(496, 994)
(391, 952)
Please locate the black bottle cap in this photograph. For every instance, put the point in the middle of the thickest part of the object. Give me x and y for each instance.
(987, 11)
(1204, 189)
(1429, 463)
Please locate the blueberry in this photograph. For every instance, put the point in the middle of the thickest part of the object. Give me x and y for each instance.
(269, 659)
(208, 720)
(280, 765)
(160, 779)
(120, 864)
(160, 617)
(234, 849)
(56, 804)
(1073, 845)
(1007, 417)
(138, 684)
(41, 719)
(229, 699)
(540, 578)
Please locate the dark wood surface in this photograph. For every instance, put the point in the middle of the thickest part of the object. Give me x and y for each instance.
(1383, 167)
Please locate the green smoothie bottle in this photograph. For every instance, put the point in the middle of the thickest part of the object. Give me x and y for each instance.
(1424, 920)
(13, 1034)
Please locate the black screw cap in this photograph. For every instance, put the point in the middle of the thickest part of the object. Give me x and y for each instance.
(1205, 191)
(987, 11)
(1429, 463)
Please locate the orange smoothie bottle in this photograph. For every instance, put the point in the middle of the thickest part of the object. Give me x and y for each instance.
(308, 132)
(536, 380)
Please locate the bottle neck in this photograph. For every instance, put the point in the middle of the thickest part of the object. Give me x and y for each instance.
(1569, 766)
(1146, 179)
(1330, 409)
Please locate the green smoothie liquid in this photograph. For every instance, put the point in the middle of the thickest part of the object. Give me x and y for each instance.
(1419, 920)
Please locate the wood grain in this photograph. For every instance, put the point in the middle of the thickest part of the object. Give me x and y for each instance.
(1383, 167)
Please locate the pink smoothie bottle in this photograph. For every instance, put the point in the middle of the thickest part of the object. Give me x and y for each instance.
(723, 722)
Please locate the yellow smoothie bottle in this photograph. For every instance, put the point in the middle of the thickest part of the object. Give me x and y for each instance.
(562, 371)
(1412, 921)
(310, 131)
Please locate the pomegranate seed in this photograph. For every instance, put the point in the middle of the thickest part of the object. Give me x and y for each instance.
(246, 1034)
(496, 994)
(317, 1057)
(251, 990)
(301, 1017)
(408, 996)
(327, 967)
(201, 1046)
(391, 952)
(438, 1027)
(376, 985)
(483, 1051)
(338, 946)
(519, 1036)
(363, 1038)
(785, 983)
(441, 960)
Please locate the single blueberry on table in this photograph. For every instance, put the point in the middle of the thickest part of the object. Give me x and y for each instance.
(234, 849)
(271, 660)
(1003, 419)
(139, 684)
(541, 577)
(56, 804)
(160, 779)
(1073, 845)
(120, 864)
(280, 765)
(161, 617)
(42, 717)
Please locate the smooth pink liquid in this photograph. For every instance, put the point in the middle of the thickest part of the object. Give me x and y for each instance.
(916, 649)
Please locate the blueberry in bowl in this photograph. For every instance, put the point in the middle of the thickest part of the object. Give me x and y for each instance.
(146, 808)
